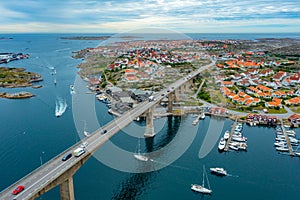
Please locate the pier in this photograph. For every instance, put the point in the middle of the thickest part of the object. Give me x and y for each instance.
(230, 135)
(287, 139)
(197, 119)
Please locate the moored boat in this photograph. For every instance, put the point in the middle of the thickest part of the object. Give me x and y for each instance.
(283, 149)
(202, 116)
(226, 134)
(222, 144)
(239, 139)
(234, 147)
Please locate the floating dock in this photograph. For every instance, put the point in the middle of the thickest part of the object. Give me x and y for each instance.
(230, 135)
(287, 139)
(195, 122)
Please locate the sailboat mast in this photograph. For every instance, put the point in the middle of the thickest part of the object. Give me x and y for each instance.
(203, 176)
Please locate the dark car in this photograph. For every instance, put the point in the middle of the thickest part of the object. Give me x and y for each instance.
(19, 189)
(104, 131)
(66, 157)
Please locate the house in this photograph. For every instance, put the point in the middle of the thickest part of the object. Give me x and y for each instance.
(244, 82)
(279, 94)
(295, 78)
(275, 103)
(264, 88)
(295, 118)
(265, 72)
(227, 83)
(293, 101)
(279, 76)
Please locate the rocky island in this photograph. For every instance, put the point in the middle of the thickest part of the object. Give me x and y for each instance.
(18, 77)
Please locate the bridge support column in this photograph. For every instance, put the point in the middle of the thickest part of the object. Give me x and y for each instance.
(67, 189)
(170, 103)
(149, 132)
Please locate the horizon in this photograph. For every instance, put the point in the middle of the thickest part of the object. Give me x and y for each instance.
(104, 16)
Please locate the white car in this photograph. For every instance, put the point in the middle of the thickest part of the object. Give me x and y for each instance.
(83, 145)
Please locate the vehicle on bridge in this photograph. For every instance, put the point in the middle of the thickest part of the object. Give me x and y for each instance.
(78, 152)
(151, 98)
(19, 189)
(104, 131)
(66, 157)
(83, 145)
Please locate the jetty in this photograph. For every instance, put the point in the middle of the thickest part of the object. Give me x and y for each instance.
(230, 135)
(287, 139)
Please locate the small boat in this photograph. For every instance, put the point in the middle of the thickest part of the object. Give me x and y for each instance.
(278, 129)
(242, 146)
(280, 144)
(239, 139)
(291, 133)
(201, 188)
(140, 156)
(283, 149)
(226, 135)
(239, 127)
(202, 116)
(222, 144)
(58, 114)
(218, 171)
(294, 140)
(234, 147)
(297, 154)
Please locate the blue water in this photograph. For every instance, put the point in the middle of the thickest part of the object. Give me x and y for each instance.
(31, 134)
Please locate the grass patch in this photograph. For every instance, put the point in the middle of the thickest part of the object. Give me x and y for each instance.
(277, 111)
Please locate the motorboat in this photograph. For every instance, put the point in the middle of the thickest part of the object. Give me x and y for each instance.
(234, 147)
(242, 146)
(239, 139)
(283, 149)
(140, 156)
(280, 144)
(222, 144)
(202, 116)
(218, 171)
(226, 135)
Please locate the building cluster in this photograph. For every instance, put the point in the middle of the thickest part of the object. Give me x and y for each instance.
(257, 81)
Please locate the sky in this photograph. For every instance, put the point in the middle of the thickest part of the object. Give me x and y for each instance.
(192, 16)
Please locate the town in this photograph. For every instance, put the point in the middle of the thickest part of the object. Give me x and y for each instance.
(250, 76)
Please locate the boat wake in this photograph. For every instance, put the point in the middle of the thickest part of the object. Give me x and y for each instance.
(232, 175)
(60, 107)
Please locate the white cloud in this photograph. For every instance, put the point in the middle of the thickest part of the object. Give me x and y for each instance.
(115, 16)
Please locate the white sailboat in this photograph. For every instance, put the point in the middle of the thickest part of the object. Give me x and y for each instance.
(140, 156)
(201, 188)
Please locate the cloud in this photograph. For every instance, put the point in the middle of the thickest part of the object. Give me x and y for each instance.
(114, 16)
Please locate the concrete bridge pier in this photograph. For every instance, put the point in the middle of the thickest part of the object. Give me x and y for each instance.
(170, 103)
(149, 132)
(67, 189)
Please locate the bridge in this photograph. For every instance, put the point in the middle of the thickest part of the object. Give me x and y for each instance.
(57, 172)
